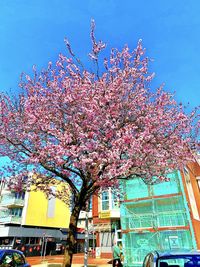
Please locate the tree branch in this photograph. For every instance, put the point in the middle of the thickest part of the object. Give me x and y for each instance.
(61, 175)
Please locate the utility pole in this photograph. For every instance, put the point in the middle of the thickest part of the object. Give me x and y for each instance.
(86, 235)
(43, 248)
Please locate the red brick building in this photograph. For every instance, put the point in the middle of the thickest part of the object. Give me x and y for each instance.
(106, 220)
(191, 183)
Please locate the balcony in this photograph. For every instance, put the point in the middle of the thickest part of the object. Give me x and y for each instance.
(159, 220)
(10, 201)
(10, 219)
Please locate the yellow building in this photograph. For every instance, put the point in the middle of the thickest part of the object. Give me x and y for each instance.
(45, 212)
(30, 219)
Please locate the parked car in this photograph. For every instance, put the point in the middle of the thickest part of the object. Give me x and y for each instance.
(12, 258)
(181, 258)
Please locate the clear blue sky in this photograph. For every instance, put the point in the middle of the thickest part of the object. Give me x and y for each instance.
(32, 32)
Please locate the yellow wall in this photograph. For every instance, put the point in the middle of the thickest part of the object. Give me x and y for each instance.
(36, 213)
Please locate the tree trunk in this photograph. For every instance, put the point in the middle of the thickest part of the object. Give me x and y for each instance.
(71, 239)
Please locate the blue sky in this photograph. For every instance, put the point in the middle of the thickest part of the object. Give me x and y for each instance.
(32, 32)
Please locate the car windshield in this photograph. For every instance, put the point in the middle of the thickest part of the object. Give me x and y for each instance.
(1, 253)
(179, 261)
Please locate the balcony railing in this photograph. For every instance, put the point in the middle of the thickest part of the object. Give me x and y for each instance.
(11, 219)
(12, 202)
(178, 218)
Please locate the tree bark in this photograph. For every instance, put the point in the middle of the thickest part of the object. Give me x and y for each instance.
(71, 239)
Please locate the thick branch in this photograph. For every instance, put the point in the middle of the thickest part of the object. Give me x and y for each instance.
(61, 175)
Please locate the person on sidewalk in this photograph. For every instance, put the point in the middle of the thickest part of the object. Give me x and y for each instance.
(117, 255)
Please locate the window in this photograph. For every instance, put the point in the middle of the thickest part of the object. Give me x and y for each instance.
(90, 203)
(18, 259)
(115, 201)
(32, 240)
(12, 259)
(105, 200)
(19, 195)
(16, 212)
(51, 204)
(179, 261)
(7, 260)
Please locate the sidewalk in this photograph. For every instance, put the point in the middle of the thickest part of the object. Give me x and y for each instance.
(57, 260)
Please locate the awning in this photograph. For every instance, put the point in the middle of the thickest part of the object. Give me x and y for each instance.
(14, 231)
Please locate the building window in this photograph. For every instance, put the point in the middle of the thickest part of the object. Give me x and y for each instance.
(16, 212)
(51, 204)
(115, 201)
(19, 195)
(90, 203)
(105, 200)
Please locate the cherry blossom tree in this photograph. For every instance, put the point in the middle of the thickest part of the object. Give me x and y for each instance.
(91, 129)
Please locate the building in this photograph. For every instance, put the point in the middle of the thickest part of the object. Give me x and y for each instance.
(32, 222)
(160, 216)
(191, 182)
(106, 221)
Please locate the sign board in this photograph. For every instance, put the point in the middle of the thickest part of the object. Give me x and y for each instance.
(174, 242)
(104, 214)
(98, 252)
